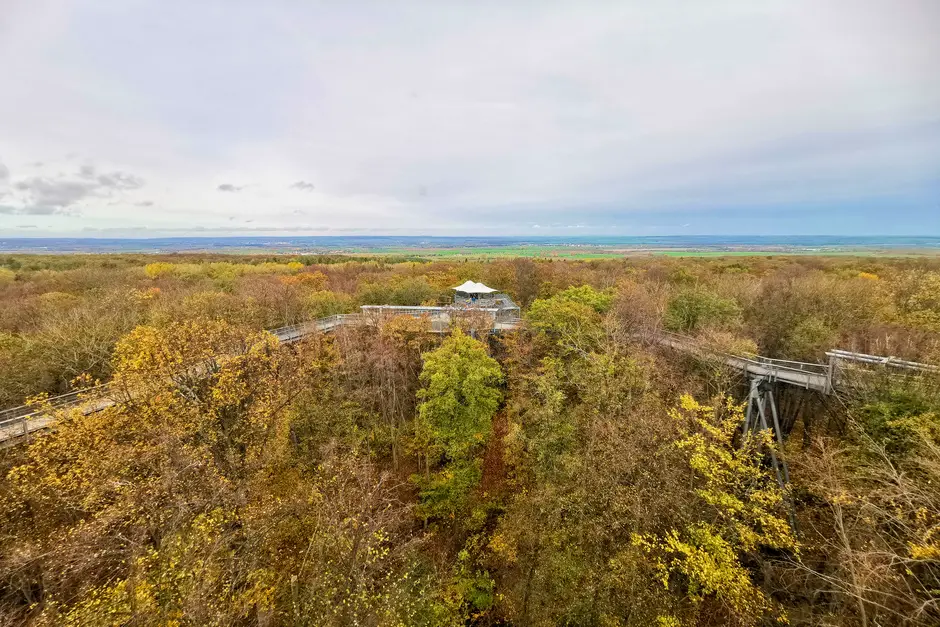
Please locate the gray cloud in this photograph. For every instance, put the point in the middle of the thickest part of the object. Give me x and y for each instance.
(43, 196)
(303, 186)
(120, 180)
(4, 173)
(46, 192)
(228, 187)
(145, 203)
(7, 210)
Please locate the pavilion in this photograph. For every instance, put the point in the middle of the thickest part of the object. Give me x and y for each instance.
(471, 291)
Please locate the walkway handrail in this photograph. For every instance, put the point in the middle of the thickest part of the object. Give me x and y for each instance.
(815, 375)
(785, 364)
(878, 360)
(15, 414)
(21, 414)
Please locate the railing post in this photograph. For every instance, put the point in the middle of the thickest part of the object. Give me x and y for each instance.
(830, 374)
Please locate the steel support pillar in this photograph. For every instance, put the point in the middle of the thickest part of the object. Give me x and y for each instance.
(760, 398)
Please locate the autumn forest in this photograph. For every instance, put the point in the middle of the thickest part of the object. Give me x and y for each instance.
(570, 471)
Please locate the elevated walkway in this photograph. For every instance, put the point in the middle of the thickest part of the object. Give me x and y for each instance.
(17, 423)
(801, 374)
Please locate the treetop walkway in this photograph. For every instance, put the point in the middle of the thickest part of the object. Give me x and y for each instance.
(17, 423)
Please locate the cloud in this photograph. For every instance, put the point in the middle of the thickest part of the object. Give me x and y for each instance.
(601, 113)
(4, 173)
(26, 226)
(52, 193)
(7, 210)
(120, 180)
(144, 203)
(62, 195)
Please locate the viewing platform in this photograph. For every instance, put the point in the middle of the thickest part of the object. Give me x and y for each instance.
(474, 303)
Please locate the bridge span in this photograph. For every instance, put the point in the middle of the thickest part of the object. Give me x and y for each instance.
(17, 423)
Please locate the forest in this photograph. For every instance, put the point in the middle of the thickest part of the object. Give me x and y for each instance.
(572, 471)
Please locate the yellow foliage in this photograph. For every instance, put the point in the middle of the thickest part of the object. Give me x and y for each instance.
(56, 300)
(504, 548)
(313, 280)
(746, 505)
(222, 270)
(157, 270)
(7, 276)
(142, 296)
(168, 585)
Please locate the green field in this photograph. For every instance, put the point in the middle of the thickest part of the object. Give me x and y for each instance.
(584, 253)
(498, 252)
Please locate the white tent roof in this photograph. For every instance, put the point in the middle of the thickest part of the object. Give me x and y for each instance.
(474, 288)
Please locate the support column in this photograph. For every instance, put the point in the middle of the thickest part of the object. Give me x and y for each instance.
(755, 419)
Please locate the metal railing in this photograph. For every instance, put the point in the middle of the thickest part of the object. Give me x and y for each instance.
(14, 420)
(877, 360)
(13, 415)
(777, 365)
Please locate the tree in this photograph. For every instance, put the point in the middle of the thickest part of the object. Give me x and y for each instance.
(7, 276)
(695, 308)
(136, 512)
(526, 283)
(876, 514)
(741, 514)
(460, 396)
(572, 318)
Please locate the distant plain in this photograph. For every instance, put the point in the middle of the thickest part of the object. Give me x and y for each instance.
(439, 247)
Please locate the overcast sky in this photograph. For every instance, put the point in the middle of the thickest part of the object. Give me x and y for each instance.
(137, 117)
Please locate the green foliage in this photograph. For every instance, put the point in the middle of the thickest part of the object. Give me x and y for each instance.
(922, 302)
(324, 303)
(473, 585)
(444, 494)
(409, 291)
(810, 339)
(571, 319)
(696, 308)
(459, 399)
(599, 301)
(894, 415)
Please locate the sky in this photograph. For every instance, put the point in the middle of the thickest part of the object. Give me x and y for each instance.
(234, 117)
